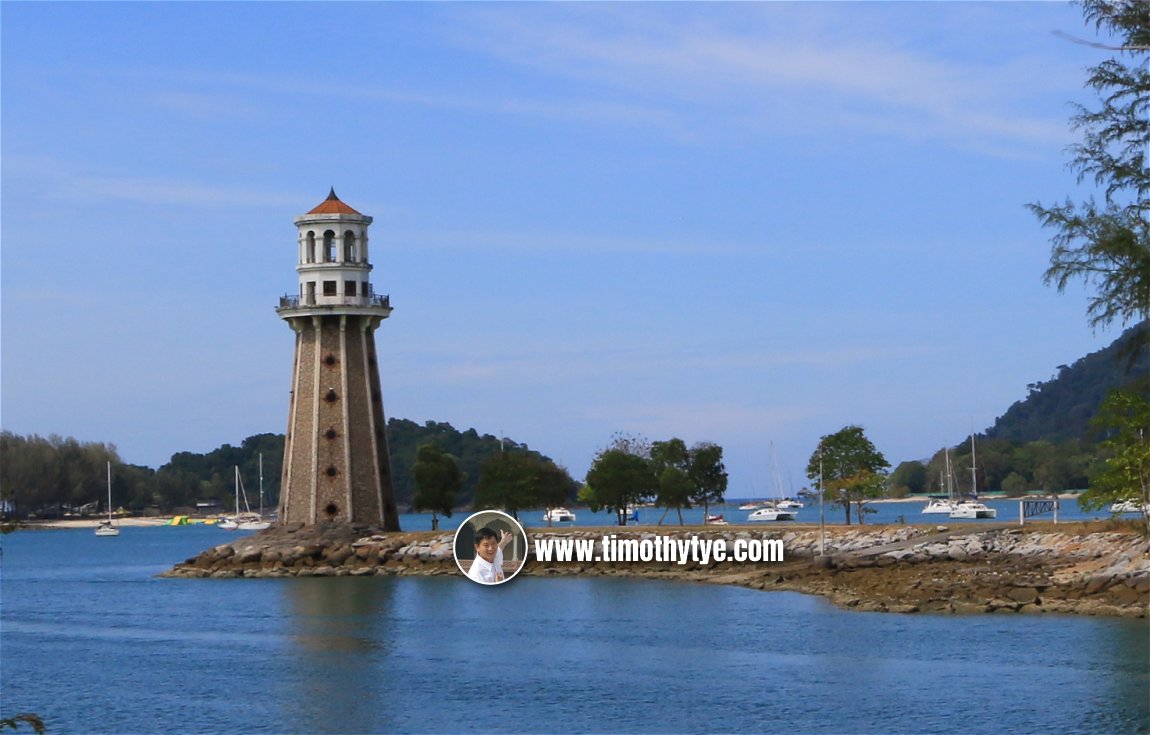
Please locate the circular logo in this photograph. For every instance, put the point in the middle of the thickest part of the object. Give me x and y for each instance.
(490, 547)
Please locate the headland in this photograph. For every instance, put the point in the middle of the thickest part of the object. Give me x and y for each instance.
(1090, 568)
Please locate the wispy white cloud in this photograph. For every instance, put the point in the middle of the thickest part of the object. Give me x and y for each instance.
(557, 241)
(57, 180)
(768, 68)
(701, 419)
(543, 363)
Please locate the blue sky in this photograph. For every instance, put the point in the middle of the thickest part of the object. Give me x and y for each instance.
(746, 223)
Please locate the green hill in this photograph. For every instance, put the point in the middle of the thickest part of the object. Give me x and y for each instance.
(1060, 409)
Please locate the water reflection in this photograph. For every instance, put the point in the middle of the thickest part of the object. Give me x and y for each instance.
(341, 639)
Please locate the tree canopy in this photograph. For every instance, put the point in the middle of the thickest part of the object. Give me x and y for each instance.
(1107, 243)
(438, 480)
(848, 468)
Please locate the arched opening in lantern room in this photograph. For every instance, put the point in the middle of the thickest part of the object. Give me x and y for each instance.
(349, 247)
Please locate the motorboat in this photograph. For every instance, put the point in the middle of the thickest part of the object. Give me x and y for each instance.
(788, 504)
(750, 506)
(559, 515)
(1129, 506)
(771, 514)
(716, 520)
(940, 506)
(971, 509)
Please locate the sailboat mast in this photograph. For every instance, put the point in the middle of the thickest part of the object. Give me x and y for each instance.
(261, 484)
(973, 469)
(109, 491)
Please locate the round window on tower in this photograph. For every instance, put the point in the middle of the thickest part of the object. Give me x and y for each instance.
(331, 397)
(331, 510)
(329, 360)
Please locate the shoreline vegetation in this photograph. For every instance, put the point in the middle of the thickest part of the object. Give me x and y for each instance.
(164, 520)
(1080, 567)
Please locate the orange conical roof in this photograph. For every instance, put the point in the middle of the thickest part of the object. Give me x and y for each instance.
(332, 205)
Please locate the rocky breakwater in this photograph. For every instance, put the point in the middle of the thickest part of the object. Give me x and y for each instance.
(323, 550)
(1077, 569)
(1073, 568)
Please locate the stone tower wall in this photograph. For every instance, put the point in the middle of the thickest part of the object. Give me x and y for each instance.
(337, 465)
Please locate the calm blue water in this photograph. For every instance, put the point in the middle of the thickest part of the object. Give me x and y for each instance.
(884, 513)
(95, 643)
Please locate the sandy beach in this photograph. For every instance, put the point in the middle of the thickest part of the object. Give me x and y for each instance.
(93, 522)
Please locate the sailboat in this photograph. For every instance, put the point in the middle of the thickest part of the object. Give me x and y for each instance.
(774, 511)
(948, 506)
(973, 508)
(245, 520)
(108, 528)
(256, 522)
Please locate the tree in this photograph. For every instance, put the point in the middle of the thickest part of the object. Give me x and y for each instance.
(552, 485)
(850, 469)
(708, 475)
(505, 482)
(438, 480)
(1125, 476)
(618, 479)
(909, 478)
(675, 488)
(517, 480)
(1107, 244)
(672, 461)
(1015, 485)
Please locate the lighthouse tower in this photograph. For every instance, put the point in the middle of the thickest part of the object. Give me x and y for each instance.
(336, 463)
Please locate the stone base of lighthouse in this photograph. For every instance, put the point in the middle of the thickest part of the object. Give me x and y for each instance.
(336, 461)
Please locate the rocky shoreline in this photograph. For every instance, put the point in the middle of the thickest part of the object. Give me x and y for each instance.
(1097, 568)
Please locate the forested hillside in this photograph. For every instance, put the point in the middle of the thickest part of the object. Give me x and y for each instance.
(50, 475)
(1060, 409)
(1044, 442)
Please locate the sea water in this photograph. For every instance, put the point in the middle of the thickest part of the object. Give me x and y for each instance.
(876, 514)
(94, 642)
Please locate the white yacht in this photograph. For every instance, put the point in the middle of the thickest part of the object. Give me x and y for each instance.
(559, 515)
(1129, 506)
(105, 528)
(251, 522)
(108, 528)
(771, 514)
(973, 509)
(788, 504)
(940, 506)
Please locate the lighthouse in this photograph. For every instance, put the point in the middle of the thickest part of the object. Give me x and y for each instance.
(336, 463)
